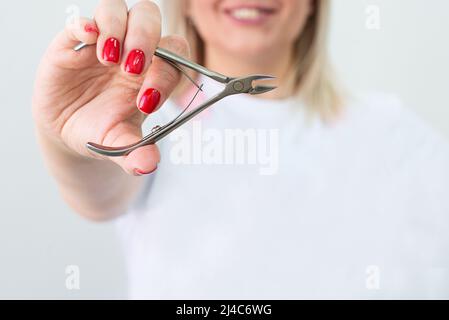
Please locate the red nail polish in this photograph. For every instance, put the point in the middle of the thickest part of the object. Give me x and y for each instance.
(149, 101)
(91, 28)
(139, 172)
(135, 62)
(111, 50)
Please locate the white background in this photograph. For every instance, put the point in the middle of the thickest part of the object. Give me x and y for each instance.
(40, 236)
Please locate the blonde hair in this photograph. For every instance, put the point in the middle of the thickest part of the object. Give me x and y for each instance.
(311, 78)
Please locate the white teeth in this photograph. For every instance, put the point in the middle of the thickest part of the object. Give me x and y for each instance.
(246, 13)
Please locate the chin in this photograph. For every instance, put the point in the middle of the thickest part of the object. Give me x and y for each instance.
(248, 49)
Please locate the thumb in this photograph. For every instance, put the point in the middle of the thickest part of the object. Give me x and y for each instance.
(78, 30)
(141, 161)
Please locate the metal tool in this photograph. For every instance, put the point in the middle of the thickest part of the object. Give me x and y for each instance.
(232, 86)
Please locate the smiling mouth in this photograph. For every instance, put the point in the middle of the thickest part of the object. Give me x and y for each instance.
(250, 15)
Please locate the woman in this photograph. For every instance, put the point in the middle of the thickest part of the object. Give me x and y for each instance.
(327, 198)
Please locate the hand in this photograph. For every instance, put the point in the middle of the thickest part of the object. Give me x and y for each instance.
(103, 92)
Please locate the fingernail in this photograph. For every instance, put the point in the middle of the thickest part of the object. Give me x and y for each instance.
(111, 50)
(91, 28)
(149, 101)
(139, 172)
(135, 62)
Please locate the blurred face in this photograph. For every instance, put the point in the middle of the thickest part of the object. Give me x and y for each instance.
(249, 27)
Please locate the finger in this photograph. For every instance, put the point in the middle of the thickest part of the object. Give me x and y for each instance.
(142, 37)
(76, 31)
(81, 30)
(162, 78)
(141, 161)
(111, 17)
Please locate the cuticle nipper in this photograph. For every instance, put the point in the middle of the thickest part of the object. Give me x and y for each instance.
(232, 86)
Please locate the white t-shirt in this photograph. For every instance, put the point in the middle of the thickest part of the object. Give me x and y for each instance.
(299, 209)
